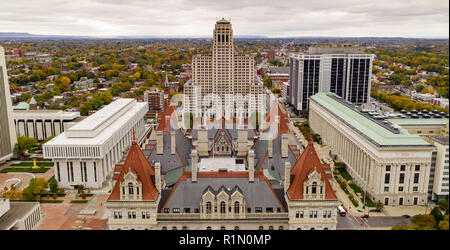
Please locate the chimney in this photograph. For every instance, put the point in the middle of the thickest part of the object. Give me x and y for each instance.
(270, 145)
(194, 169)
(284, 145)
(159, 142)
(251, 165)
(158, 176)
(172, 142)
(287, 175)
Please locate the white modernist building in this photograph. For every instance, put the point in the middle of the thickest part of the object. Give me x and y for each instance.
(42, 124)
(391, 164)
(85, 154)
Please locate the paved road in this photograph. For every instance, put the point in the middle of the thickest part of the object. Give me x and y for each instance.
(348, 222)
(388, 221)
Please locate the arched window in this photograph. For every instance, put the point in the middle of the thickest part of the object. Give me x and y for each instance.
(208, 228)
(174, 228)
(314, 188)
(261, 228)
(299, 229)
(137, 190)
(236, 207)
(312, 228)
(297, 214)
(130, 188)
(185, 228)
(236, 228)
(280, 228)
(325, 228)
(208, 207)
(164, 228)
(222, 207)
(222, 228)
(321, 189)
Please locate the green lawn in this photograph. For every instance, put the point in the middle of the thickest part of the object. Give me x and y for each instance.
(25, 169)
(51, 201)
(30, 163)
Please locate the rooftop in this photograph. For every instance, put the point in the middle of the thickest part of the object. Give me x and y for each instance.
(220, 163)
(381, 136)
(16, 213)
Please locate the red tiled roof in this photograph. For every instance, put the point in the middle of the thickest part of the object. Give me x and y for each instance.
(270, 118)
(163, 124)
(138, 164)
(308, 161)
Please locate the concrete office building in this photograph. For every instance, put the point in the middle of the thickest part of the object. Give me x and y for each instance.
(439, 175)
(85, 154)
(8, 137)
(343, 70)
(42, 124)
(391, 164)
(19, 215)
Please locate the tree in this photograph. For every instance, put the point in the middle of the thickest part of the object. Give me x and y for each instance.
(266, 81)
(443, 204)
(53, 185)
(379, 205)
(36, 187)
(423, 222)
(25, 143)
(443, 225)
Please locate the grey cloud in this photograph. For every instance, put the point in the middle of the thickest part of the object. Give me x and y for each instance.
(420, 18)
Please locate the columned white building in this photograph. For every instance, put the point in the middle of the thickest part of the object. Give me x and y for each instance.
(42, 124)
(85, 154)
(391, 164)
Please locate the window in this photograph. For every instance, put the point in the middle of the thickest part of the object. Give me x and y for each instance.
(386, 178)
(402, 178)
(137, 190)
(236, 228)
(95, 171)
(222, 207)
(314, 188)
(402, 167)
(57, 172)
(222, 228)
(388, 168)
(415, 189)
(258, 209)
(131, 214)
(400, 189)
(236, 207)
(416, 178)
(166, 210)
(164, 228)
(174, 228)
(130, 188)
(270, 227)
(261, 228)
(297, 214)
(417, 168)
(386, 189)
(208, 207)
(269, 209)
(117, 215)
(280, 228)
(386, 201)
(184, 228)
(208, 228)
(301, 214)
(187, 210)
(176, 210)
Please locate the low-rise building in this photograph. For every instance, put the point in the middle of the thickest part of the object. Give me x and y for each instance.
(85, 154)
(389, 163)
(19, 215)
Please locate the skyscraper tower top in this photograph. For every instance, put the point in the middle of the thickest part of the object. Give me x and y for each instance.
(223, 21)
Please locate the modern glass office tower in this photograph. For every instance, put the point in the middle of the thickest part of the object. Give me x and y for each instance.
(343, 70)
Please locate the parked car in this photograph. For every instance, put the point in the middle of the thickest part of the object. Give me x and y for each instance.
(366, 216)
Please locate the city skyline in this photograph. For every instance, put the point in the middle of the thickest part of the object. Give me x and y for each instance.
(182, 18)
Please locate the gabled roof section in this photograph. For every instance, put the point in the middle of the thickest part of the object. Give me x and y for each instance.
(163, 123)
(270, 118)
(137, 163)
(308, 161)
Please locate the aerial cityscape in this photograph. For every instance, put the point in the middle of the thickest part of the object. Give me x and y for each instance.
(219, 124)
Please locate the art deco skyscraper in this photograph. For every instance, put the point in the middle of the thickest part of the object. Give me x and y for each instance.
(224, 73)
(8, 138)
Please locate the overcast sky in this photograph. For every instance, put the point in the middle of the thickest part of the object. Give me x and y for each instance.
(280, 18)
